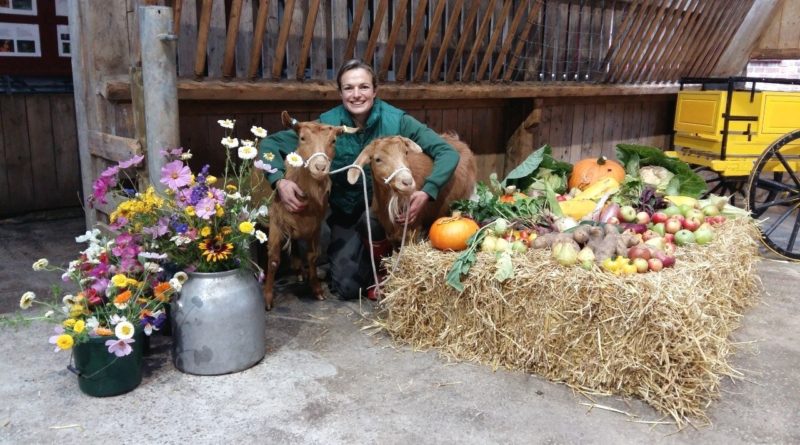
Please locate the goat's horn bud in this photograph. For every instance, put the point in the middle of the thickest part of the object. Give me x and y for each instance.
(347, 129)
(294, 122)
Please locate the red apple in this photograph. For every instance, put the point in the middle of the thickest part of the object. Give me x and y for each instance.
(672, 225)
(643, 218)
(666, 260)
(627, 214)
(694, 213)
(691, 223)
(659, 217)
(639, 251)
(641, 265)
(669, 237)
(655, 264)
(650, 234)
(669, 249)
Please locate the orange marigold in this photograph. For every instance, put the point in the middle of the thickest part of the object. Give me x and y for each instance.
(161, 290)
(123, 297)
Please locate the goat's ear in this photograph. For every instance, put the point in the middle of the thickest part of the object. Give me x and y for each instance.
(361, 160)
(411, 145)
(288, 121)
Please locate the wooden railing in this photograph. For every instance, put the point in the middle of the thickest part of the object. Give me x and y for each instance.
(455, 41)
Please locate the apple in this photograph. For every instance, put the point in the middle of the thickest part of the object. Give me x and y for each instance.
(719, 219)
(639, 251)
(612, 220)
(656, 243)
(659, 217)
(691, 224)
(655, 264)
(669, 237)
(696, 214)
(710, 210)
(673, 225)
(669, 249)
(650, 234)
(643, 218)
(684, 237)
(672, 211)
(641, 265)
(659, 228)
(704, 234)
(666, 260)
(627, 214)
(684, 208)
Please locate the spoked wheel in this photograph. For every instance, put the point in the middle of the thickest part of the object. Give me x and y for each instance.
(774, 196)
(733, 186)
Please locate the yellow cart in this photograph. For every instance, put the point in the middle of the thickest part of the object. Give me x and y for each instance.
(746, 142)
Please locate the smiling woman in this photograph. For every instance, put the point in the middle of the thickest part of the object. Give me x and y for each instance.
(348, 253)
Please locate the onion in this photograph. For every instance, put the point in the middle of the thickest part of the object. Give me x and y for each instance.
(610, 210)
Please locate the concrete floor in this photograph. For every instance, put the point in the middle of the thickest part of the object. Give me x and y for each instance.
(326, 380)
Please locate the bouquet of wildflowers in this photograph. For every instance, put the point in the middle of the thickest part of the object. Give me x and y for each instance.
(200, 222)
(118, 289)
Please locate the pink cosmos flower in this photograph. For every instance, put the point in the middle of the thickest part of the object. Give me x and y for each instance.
(120, 348)
(261, 165)
(131, 162)
(176, 175)
(206, 208)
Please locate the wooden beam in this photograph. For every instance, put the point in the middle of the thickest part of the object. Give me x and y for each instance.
(258, 38)
(308, 35)
(473, 12)
(778, 53)
(202, 39)
(499, 23)
(473, 54)
(283, 36)
(399, 21)
(358, 15)
(113, 148)
(423, 58)
(511, 35)
(377, 24)
(533, 16)
(118, 89)
(400, 72)
(228, 70)
(744, 42)
(452, 24)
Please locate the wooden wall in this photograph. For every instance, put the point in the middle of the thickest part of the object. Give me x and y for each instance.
(781, 40)
(574, 127)
(39, 168)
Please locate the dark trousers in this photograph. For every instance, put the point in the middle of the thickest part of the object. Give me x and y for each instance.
(349, 257)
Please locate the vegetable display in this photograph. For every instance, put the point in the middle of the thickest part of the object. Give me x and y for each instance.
(588, 171)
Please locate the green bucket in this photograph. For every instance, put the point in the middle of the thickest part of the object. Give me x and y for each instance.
(103, 374)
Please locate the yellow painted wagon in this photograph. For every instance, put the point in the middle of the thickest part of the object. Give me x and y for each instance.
(746, 142)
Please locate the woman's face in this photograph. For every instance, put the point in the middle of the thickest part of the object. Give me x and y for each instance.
(358, 94)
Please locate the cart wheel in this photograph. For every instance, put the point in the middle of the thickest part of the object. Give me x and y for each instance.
(722, 185)
(774, 196)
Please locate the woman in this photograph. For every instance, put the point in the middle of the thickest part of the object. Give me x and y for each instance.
(350, 268)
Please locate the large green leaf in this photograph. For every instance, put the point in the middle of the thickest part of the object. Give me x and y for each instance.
(689, 183)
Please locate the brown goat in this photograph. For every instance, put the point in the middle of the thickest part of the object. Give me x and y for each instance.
(402, 160)
(316, 146)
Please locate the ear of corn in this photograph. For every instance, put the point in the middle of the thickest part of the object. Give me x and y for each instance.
(681, 200)
(577, 208)
(598, 189)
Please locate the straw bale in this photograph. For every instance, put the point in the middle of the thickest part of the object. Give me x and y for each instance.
(662, 337)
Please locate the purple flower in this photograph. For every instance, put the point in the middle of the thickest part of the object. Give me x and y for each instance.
(206, 208)
(131, 162)
(160, 229)
(101, 186)
(176, 175)
(110, 172)
(261, 165)
(120, 348)
(199, 192)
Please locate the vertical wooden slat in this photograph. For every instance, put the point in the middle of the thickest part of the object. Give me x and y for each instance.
(498, 26)
(667, 31)
(377, 26)
(294, 43)
(17, 154)
(258, 39)
(202, 39)
(177, 6)
(358, 15)
(216, 39)
(511, 35)
(722, 41)
(339, 32)
(40, 137)
(399, 20)
(623, 56)
(419, 17)
(308, 34)
(68, 177)
(688, 20)
(283, 37)
(452, 25)
(423, 60)
(621, 36)
(321, 44)
(230, 40)
(533, 16)
(573, 30)
(478, 41)
(646, 39)
(244, 41)
(465, 33)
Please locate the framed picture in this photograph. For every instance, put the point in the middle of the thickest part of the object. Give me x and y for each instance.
(21, 7)
(62, 33)
(19, 40)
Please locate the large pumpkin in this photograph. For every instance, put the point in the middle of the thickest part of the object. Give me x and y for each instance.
(452, 232)
(588, 171)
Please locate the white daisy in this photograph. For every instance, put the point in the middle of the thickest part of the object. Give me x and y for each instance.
(261, 236)
(258, 131)
(90, 235)
(40, 264)
(92, 322)
(186, 156)
(268, 156)
(49, 314)
(247, 152)
(124, 330)
(27, 300)
(68, 300)
(176, 284)
(226, 123)
(230, 142)
(116, 319)
(181, 276)
(294, 159)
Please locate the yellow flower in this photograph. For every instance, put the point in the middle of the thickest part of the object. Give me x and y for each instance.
(225, 231)
(220, 211)
(119, 280)
(75, 310)
(205, 232)
(269, 156)
(247, 227)
(190, 210)
(69, 323)
(64, 341)
(231, 188)
(79, 326)
(211, 179)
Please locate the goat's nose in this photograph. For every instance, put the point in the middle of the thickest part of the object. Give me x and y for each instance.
(408, 182)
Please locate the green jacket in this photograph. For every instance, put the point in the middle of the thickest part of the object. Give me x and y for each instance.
(384, 120)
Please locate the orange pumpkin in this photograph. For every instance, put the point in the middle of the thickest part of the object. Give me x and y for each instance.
(452, 233)
(588, 171)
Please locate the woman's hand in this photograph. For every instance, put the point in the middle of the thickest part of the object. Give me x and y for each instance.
(415, 204)
(290, 195)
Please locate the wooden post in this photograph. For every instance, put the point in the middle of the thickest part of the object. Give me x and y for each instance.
(160, 82)
(736, 55)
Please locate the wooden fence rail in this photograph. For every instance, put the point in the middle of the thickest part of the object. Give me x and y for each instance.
(428, 41)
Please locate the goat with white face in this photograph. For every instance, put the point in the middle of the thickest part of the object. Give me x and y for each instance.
(399, 168)
(316, 144)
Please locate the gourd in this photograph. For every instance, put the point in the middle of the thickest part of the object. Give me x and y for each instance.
(590, 170)
(452, 232)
